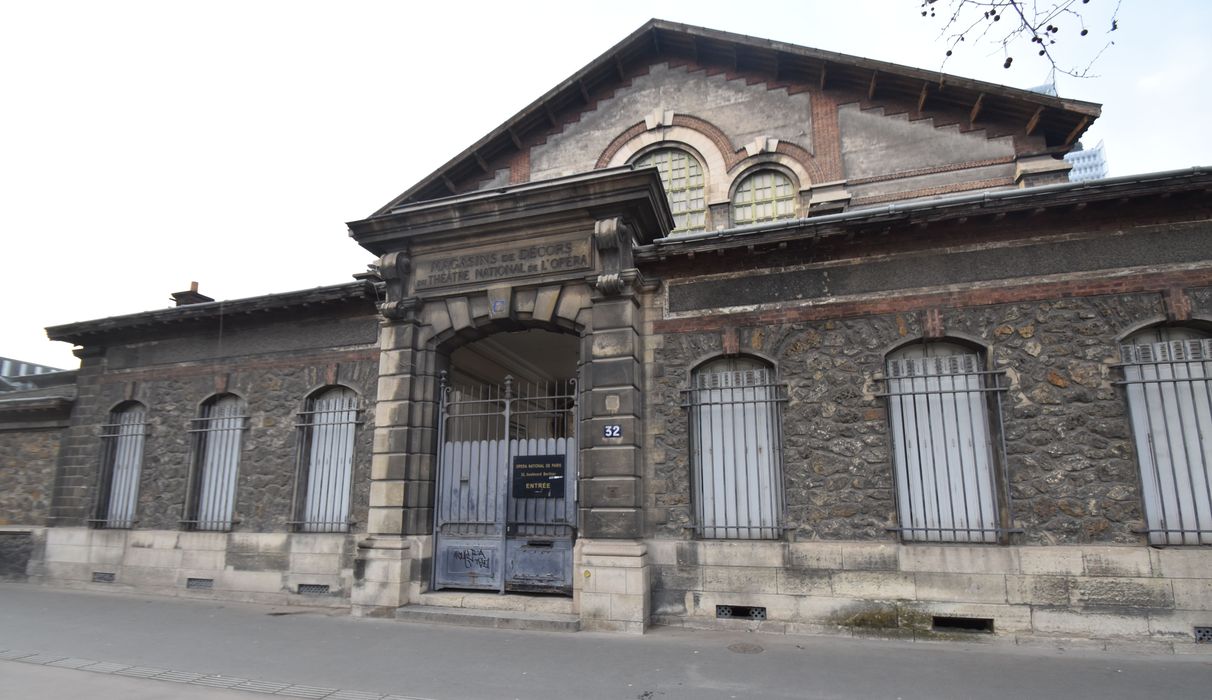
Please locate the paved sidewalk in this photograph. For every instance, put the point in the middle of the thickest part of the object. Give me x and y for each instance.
(150, 647)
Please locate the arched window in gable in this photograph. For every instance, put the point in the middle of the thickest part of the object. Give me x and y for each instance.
(1168, 376)
(682, 176)
(327, 427)
(942, 443)
(766, 195)
(736, 448)
(121, 463)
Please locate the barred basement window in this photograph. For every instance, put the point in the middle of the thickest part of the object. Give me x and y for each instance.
(327, 427)
(682, 176)
(217, 435)
(942, 446)
(736, 438)
(121, 461)
(767, 195)
(1167, 373)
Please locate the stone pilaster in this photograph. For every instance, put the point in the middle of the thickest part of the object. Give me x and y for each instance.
(401, 474)
(611, 493)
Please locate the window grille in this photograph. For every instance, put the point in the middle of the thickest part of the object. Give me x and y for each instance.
(682, 176)
(217, 435)
(942, 446)
(736, 448)
(767, 195)
(122, 459)
(327, 427)
(1167, 373)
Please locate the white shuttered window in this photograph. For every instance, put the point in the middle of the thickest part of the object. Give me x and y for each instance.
(736, 438)
(328, 426)
(1167, 373)
(218, 432)
(942, 450)
(121, 464)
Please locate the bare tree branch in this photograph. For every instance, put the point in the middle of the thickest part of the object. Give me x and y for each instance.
(1029, 27)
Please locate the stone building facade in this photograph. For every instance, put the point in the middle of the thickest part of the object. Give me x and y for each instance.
(719, 332)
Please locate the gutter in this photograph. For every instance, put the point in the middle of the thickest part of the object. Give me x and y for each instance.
(672, 244)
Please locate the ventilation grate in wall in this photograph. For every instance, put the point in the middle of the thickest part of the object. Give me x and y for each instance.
(313, 589)
(1203, 635)
(200, 584)
(945, 623)
(740, 612)
(104, 577)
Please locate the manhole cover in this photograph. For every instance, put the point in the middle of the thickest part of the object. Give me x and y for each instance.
(745, 648)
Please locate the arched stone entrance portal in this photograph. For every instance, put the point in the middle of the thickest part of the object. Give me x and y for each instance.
(505, 495)
(458, 273)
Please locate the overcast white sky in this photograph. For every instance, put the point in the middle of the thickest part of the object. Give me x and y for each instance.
(147, 144)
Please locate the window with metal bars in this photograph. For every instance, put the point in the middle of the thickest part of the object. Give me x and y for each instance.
(1167, 373)
(767, 195)
(943, 445)
(217, 434)
(327, 427)
(121, 462)
(682, 176)
(736, 436)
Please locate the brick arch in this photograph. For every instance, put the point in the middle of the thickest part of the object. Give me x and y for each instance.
(698, 133)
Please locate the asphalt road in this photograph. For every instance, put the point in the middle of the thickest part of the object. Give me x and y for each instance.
(98, 645)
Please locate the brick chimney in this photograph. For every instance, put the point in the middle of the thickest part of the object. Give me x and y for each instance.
(191, 296)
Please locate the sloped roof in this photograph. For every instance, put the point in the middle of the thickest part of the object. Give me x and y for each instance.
(87, 331)
(1060, 121)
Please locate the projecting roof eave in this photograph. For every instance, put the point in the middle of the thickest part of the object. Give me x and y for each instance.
(1062, 121)
(954, 207)
(82, 332)
(635, 194)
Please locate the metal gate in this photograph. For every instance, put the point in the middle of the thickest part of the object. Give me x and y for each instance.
(505, 512)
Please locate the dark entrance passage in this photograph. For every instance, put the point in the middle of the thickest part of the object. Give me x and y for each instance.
(507, 465)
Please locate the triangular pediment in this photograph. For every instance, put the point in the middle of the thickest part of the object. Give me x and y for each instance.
(706, 60)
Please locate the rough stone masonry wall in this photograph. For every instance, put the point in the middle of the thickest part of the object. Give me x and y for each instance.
(1071, 466)
(27, 473)
(273, 396)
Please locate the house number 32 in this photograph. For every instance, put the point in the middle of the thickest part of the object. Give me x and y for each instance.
(612, 431)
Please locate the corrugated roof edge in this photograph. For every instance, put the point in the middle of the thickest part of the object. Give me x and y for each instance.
(75, 332)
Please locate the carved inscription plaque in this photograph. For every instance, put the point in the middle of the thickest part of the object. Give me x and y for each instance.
(489, 264)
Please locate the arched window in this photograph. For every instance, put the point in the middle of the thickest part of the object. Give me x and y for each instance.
(942, 448)
(1167, 373)
(736, 447)
(682, 176)
(327, 426)
(121, 461)
(217, 436)
(766, 195)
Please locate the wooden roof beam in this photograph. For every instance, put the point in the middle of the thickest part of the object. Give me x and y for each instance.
(921, 98)
(482, 163)
(584, 92)
(1076, 130)
(824, 75)
(1034, 120)
(871, 86)
(619, 68)
(976, 108)
(449, 184)
(517, 142)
